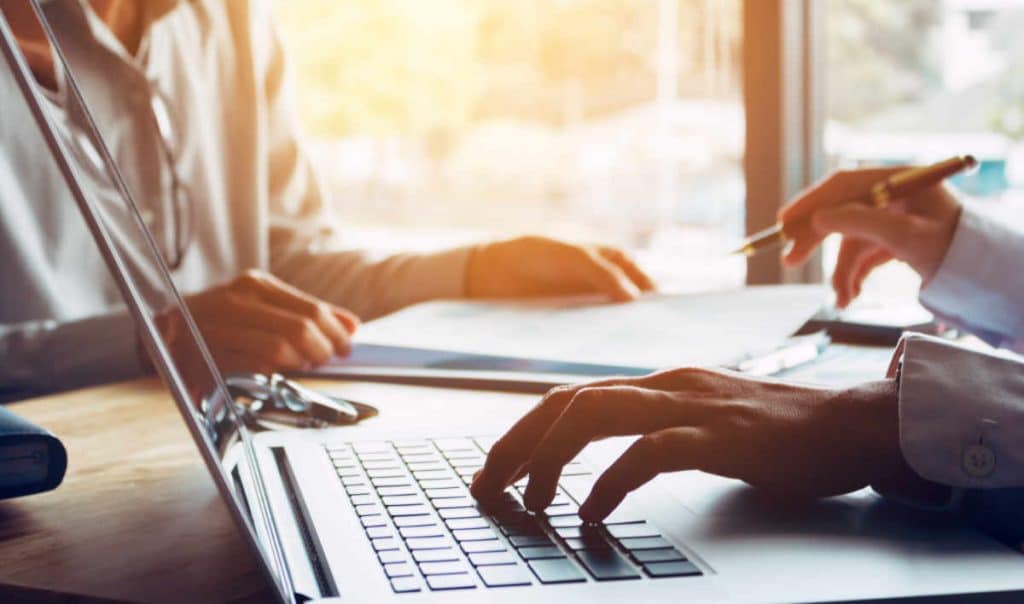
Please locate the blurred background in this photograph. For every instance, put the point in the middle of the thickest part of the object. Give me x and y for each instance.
(442, 121)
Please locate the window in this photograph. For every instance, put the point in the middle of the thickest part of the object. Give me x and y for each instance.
(437, 121)
(918, 80)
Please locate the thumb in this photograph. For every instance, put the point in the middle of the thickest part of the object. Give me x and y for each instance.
(880, 226)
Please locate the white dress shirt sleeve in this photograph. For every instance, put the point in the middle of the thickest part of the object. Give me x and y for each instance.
(304, 248)
(978, 285)
(961, 413)
(43, 356)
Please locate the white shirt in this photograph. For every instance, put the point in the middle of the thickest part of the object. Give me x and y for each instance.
(961, 411)
(258, 203)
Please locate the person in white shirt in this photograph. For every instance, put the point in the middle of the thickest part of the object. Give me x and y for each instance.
(945, 419)
(193, 100)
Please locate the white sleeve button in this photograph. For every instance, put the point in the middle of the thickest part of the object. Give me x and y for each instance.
(978, 461)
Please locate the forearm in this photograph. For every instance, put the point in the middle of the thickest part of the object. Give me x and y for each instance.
(46, 356)
(370, 286)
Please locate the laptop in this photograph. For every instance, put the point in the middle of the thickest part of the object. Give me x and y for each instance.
(381, 511)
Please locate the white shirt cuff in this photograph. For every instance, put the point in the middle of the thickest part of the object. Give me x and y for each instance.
(961, 413)
(976, 286)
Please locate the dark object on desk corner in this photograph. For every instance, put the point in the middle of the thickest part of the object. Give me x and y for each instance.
(31, 459)
(273, 402)
(870, 327)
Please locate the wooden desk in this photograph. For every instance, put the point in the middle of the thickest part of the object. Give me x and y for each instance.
(137, 518)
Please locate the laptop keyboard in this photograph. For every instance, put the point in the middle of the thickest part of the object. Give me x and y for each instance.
(430, 534)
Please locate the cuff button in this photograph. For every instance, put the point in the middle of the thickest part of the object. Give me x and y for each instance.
(978, 461)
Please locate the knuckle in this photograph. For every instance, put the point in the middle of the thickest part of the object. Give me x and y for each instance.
(303, 329)
(249, 278)
(281, 351)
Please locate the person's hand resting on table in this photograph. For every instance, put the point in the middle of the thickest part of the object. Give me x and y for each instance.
(538, 266)
(258, 323)
(916, 230)
(797, 441)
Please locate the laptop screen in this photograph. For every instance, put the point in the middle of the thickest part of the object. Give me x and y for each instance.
(74, 159)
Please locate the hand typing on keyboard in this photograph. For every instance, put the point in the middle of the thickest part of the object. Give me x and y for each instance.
(428, 534)
(793, 439)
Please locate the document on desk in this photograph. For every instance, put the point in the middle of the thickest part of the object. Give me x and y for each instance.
(580, 337)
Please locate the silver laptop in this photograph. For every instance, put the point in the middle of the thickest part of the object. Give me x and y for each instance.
(381, 511)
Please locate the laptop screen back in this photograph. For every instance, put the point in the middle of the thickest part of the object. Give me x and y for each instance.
(72, 150)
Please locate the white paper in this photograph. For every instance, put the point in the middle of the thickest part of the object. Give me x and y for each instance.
(657, 331)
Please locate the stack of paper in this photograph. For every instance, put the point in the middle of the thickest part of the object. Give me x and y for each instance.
(657, 331)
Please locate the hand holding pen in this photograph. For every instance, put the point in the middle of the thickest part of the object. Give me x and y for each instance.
(882, 213)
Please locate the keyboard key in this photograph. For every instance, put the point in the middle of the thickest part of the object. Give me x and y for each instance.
(435, 555)
(392, 482)
(566, 509)
(492, 558)
(390, 500)
(529, 540)
(556, 570)
(368, 510)
(379, 474)
(644, 543)
(676, 568)
(351, 481)
(384, 543)
(575, 469)
(570, 532)
(362, 499)
(587, 543)
(454, 444)
(466, 523)
(404, 521)
(370, 447)
(564, 521)
(476, 547)
(607, 565)
(421, 531)
(418, 543)
(439, 582)
(395, 491)
(373, 520)
(419, 466)
(622, 515)
(348, 471)
(445, 493)
(504, 576)
(473, 534)
(475, 462)
(361, 489)
(407, 510)
(406, 584)
(430, 474)
(408, 442)
(540, 553)
(374, 457)
(440, 483)
(452, 502)
(443, 568)
(378, 532)
(398, 569)
(626, 531)
(391, 464)
(485, 442)
(392, 556)
(643, 556)
(450, 513)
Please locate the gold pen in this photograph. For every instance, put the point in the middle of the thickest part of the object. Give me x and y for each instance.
(897, 186)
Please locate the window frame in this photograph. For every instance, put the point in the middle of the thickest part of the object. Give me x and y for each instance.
(784, 103)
